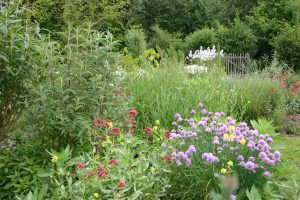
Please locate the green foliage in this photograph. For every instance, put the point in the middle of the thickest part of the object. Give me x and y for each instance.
(282, 189)
(78, 80)
(202, 37)
(253, 194)
(19, 43)
(164, 40)
(19, 168)
(263, 126)
(237, 38)
(135, 40)
(287, 45)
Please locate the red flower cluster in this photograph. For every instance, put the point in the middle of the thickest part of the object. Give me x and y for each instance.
(101, 172)
(148, 131)
(100, 137)
(121, 185)
(113, 163)
(97, 123)
(294, 88)
(115, 132)
(80, 166)
(132, 113)
(167, 133)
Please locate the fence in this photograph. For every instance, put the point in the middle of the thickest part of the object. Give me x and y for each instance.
(237, 63)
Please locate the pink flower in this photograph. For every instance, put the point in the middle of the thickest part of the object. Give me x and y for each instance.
(132, 113)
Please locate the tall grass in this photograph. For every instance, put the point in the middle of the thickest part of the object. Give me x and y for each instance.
(162, 92)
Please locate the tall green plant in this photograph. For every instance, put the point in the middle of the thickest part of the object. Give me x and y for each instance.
(19, 43)
(136, 42)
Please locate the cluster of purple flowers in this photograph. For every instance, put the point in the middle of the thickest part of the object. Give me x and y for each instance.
(184, 156)
(223, 135)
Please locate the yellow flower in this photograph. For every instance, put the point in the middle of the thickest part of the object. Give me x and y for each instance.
(231, 128)
(243, 141)
(152, 170)
(104, 144)
(110, 125)
(230, 163)
(231, 137)
(54, 159)
(225, 136)
(157, 122)
(96, 195)
(157, 139)
(155, 128)
(223, 171)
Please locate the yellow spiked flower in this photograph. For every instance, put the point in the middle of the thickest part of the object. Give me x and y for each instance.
(230, 163)
(104, 144)
(225, 136)
(223, 171)
(231, 137)
(54, 159)
(155, 128)
(110, 125)
(157, 122)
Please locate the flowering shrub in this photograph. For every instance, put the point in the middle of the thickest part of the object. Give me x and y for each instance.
(208, 144)
(120, 165)
(204, 54)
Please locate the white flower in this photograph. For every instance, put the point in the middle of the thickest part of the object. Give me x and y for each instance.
(193, 69)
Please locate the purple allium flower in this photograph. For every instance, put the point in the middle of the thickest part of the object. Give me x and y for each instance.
(261, 142)
(204, 156)
(277, 154)
(208, 130)
(190, 150)
(177, 116)
(217, 115)
(163, 145)
(243, 124)
(252, 159)
(215, 118)
(249, 165)
(266, 174)
(240, 158)
(210, 113)
(242, 163)
(182, 143)
(181, 155)
(228, 119)
(193, 112)
(174, 124)
(271, 162)
(204, 111)
(269, 140)
(266, 160)
(216, 159)
(210, 158)
(220, 149)
(216, 142)
(232, 197)
(222, 114)
(200, 105)
(191, 120)
(179, 119)
(262, 154)
(188, 162)
(178, 163)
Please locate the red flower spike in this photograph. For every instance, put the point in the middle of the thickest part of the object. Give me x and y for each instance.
(80, 166)
(131, 131)
(97, 121)
(167, 133)
(148, 131)
(114, 162)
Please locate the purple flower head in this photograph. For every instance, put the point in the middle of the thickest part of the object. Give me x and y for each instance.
(182, 143)
(181, 155)
(200, 105)
(262, 154)
(216, 142)
(204, 156)
(252, 159)
(266, 160)
(222, 114)
(210, 158)
(177, 116)
(188, 162)
(215, 118)
(232, 197)
(210, 113)
(204, 111)
(240, 158)
(277, 154)
(249, 165)
(179, 119)
(261, 142)
(174, 124)
(269, 140)
(208, 130)
(217, 115)
(191, 120)
(178, 163)
(163, 145)
(228, 119)
(190, 150)
(266, 174)
(242, 163)
(243, 124)
(193, 112)
(271, 162)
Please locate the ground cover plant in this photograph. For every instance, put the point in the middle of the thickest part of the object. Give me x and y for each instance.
(100, 100)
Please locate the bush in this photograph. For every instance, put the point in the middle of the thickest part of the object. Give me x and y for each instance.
(164, 40)
(19, 44)
(78, 80)
(202, 37)
(287, 45)
(135, 40)
(238, 38)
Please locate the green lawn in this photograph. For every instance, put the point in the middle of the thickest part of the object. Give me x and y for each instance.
(290, 151)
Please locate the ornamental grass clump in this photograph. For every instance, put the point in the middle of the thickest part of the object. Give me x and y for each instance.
(208, 145)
